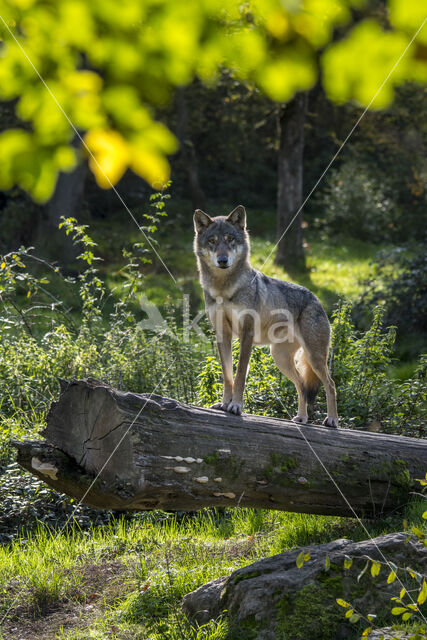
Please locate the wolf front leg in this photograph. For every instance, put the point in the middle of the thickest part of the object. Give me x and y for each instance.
(223, 341)
(246, 342)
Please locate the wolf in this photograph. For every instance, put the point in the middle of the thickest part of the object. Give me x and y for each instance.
(243, 303)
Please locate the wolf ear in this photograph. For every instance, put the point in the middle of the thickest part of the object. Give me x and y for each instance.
(238, 217)
(201, 220)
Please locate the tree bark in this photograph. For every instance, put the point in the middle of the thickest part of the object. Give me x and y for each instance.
(138, 452)
(291, 119)
(65, 201)
(188, 151)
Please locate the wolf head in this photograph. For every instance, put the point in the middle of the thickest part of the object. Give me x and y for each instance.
(221, 242)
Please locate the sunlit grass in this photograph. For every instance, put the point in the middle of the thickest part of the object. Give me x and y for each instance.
(334, 271)
(155, 560)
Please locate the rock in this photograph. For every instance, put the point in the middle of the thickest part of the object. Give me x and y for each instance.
(274, 600)
(391, 634)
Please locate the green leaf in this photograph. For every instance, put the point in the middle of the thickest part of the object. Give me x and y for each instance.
(355, 618)
(347, 562)
(300, 560)
(375, 568)
(364, 570)
(422, 596)
(396, 611)
(327, 563)
(349, 613)
(391, 577)
(406, 616)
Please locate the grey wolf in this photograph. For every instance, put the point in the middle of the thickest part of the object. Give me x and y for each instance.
(243, 303)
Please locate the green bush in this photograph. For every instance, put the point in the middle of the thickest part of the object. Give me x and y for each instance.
(398, 282)
(358, 202)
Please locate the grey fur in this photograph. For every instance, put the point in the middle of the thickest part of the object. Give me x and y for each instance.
(245, 303)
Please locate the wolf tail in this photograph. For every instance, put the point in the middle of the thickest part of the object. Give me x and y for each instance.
(311, 382)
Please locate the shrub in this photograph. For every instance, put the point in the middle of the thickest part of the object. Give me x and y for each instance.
(398, 282)
(357, 202)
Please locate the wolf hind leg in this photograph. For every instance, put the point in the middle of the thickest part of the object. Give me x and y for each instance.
(314, 336)
(284, 356)
(317, 361)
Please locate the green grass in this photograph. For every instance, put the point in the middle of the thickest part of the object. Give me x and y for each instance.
(128, 578)
(334, 272)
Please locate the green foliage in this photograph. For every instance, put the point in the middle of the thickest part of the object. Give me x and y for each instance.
(360, 202)
(210, 381)
(398, 283)
(360, 369)
(106, 67)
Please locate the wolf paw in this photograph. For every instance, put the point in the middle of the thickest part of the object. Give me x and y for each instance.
(235, 407)
(300, 419)
(220, 406)
(330, 422)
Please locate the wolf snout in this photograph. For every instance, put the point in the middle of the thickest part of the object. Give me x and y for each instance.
(222, 262)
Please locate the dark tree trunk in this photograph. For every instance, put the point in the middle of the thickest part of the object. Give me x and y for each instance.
(66, 201)
(188, 151)
(129, 451)
(291, 119)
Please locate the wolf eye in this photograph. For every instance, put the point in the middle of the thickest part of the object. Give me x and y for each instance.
(212, 240)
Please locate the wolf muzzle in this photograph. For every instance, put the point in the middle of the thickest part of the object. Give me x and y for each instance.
(222, 262)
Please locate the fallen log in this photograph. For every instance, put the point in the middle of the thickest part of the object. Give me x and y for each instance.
(130, 451)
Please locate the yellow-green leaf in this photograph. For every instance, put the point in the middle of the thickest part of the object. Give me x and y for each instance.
(343, 603)
(422, 596)
(396, 611)
(391, 577)
(300, 560)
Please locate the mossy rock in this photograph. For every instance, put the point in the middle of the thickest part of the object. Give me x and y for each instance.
(273, 599)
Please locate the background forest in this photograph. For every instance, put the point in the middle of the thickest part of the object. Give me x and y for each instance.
(79, 275)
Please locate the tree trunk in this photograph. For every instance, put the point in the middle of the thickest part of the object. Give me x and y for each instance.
(291, 119)
(130, 451)
(188, 151)
(65, 201)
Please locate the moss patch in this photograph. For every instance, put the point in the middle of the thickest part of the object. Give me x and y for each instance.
(246, 576)
(312, 612)
(279, 466)
(227, 466)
